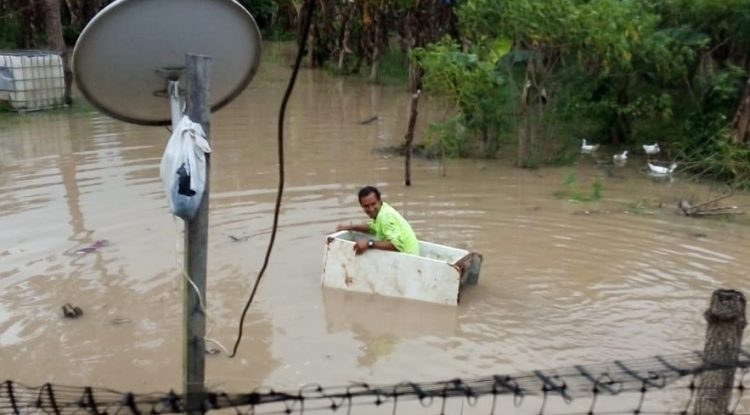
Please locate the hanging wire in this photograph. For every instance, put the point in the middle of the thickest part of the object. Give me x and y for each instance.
(308, 15)
(201, 302)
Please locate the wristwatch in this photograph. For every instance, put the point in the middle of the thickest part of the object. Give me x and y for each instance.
(370, 243)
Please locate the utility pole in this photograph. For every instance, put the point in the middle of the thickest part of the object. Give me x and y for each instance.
(197, 75)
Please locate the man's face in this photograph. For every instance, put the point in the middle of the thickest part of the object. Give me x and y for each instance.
(370, 204)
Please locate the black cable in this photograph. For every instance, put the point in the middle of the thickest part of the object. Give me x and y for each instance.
(300, 54)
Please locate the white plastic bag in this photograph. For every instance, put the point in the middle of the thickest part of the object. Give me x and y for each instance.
(183, 168)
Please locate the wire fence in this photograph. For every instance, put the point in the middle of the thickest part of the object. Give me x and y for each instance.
(580, 388)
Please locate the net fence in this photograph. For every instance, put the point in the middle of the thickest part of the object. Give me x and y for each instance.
(575, 389)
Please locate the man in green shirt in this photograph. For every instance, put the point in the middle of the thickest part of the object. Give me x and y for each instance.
(392, 231)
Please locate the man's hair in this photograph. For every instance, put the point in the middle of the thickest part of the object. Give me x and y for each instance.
(363, 192)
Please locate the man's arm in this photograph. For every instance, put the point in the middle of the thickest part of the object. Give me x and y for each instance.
(362, 227)
(361, 246)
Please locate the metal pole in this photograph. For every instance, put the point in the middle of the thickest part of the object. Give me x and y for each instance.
(726, 321)
(196, 245)
(175, 105)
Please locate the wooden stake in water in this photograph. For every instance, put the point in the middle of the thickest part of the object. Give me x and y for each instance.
(410, 137)
(726, 322)
(196, 245)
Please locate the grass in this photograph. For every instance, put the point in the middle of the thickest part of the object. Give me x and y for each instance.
(394, 67)
(9, 116)
(639, 208)
(572, 191)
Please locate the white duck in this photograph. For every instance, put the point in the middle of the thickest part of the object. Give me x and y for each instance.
(661, 170)
(588, 148)
(621, 158)
(651, 149)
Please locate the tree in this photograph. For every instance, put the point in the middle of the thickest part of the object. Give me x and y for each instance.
(56, 42)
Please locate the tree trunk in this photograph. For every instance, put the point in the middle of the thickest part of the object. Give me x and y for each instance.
(410, 138)
(56, 42)
(741, 123)
(311, 44)
(524, 136)
(53, 25)
(92, 7)
(524, 119)
(327, 36)
(375, 68)
(375, 54)
(623, 122)
(29, 27)
(379, 40)
(413, 41)
(345, 32)
(82, 11)
(74, 12)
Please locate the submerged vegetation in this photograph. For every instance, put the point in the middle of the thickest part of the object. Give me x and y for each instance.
(572, 191)
(529, 78)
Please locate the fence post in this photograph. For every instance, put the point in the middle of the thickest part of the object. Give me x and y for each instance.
(726, 322)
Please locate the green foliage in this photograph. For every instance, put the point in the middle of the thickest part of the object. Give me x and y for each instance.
(474, 85)
(70, 34)
(719, 158)
(394, 68)
(10, 33)
(536, 23)
(705, 140)
(621, 71)
(446, 139)
(265, 12)
(718, 19)
(596, 189)
(5, 110)
(570, 189)
(610, 35)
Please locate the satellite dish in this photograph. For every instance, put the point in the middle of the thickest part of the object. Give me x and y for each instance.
(128, 53)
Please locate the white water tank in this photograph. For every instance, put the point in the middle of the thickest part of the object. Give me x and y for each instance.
(32, 79)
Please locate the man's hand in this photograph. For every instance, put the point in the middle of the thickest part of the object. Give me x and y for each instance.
(343, 227)
(360, 247)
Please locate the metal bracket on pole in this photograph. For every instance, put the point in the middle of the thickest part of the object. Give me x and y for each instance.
(172, 75)
(175, 103)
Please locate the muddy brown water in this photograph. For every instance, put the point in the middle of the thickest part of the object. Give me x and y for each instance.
(562, 283)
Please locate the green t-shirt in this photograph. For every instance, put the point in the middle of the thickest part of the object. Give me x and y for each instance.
(390, 226)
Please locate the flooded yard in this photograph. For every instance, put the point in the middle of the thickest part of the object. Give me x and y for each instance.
(562, 283)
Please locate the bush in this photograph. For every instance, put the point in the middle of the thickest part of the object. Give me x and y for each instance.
(10, 33)
(476, 88)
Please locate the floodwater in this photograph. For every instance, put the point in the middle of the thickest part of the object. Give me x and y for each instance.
(562, 283)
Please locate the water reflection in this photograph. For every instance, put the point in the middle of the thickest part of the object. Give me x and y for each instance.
(380, 323)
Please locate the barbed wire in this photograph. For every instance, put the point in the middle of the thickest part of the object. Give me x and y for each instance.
(637, 376)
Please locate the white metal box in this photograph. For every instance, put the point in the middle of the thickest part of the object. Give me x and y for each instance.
(436, 275)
